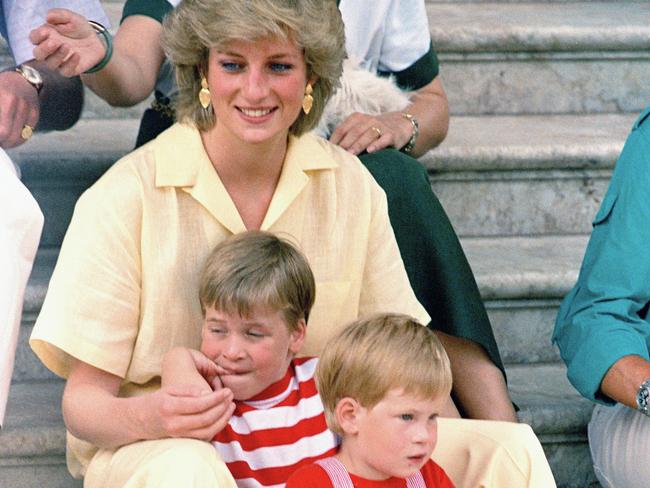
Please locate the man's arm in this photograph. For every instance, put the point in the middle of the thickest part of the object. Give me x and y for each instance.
(56, 107)
(602, 328)
(622, 381)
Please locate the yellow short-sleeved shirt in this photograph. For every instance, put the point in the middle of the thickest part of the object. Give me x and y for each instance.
(125, 287)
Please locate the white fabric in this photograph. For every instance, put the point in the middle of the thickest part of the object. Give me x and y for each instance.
(24, 15)
(340, 478)
(619, 439)
(21, 222)
(385, 35)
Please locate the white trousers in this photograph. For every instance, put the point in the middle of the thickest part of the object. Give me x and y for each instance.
(619, 439)
(21, 223)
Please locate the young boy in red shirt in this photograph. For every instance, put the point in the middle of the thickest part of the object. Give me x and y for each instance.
(383, 382)
(256, 293)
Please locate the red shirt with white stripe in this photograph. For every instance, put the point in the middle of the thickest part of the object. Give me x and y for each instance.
(314, 476)
(278, 431)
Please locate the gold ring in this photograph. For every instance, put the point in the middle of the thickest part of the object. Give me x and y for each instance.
(377, 130)
(27, 132)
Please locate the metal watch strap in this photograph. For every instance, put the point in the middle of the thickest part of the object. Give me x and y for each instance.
(643, 398)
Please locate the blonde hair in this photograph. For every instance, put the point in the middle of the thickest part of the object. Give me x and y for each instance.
(371, 356)
(258, 269)
(195, 26)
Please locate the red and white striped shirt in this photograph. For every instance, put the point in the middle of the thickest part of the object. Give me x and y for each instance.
(280, 430)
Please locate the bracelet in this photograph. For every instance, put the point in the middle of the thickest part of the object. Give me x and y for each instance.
(108, 39)
(408, 147)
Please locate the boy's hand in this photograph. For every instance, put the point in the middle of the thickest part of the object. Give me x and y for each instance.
(189, 411)
(207, 368)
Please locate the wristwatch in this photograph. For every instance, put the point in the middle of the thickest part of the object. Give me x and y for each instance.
(643, 398)
(32, 76)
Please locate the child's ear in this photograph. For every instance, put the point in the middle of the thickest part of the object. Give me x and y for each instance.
(297, 337)
(347, 415)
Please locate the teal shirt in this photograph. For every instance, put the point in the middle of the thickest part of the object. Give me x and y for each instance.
(605, 316)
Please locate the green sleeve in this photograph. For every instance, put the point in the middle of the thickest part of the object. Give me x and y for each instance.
(156, 9)
(605, 316)
(419, 74)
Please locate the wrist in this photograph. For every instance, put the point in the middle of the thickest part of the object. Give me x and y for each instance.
(643, 398)
(415, 132)
(105, 38)
(28, 76)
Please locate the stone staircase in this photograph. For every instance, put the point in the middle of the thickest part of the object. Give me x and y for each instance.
(542, 95)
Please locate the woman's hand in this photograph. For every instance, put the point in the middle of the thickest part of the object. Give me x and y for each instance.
(363, 132)
(187, 411)
(93, 410)
(67, 43)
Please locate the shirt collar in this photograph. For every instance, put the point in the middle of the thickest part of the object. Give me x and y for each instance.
(182, 162)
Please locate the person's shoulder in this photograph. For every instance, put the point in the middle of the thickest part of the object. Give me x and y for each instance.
(635, 157)
(642, 123)
(311, 475)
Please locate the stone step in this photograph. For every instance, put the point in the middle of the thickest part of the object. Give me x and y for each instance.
(567, 57)
(32, 441)
(526, 175)
(32, 451)
(559, 417)
(522, 281)
(495, 175)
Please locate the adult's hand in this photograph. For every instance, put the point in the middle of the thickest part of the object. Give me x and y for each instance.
(428, 105)
(187, 411)
(93, 410)
(362, 132)
(67, 43)
(19, 106)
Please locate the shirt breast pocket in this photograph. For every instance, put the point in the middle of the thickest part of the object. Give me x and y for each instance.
(606, 209)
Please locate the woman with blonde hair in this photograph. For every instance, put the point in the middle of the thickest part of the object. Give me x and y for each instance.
(253, 77)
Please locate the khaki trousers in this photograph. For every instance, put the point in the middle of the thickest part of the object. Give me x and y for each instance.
(474, 453)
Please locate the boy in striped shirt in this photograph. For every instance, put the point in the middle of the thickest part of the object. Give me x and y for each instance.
(256, 292)
(383, 381)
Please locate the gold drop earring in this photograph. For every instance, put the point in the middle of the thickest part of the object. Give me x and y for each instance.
(204, 94)
(308, 100)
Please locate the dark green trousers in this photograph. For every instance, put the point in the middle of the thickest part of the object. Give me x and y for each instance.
(433, 257)
(434, 260)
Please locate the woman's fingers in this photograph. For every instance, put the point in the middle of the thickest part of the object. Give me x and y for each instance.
(361, 132)
(190, 412)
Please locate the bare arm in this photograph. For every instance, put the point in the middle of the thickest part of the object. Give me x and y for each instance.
(428, 105)
(94, 412)
(67, 43)
(622, 381)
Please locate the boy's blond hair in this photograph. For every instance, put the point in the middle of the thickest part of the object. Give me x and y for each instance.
(258, 269)
(371, 356)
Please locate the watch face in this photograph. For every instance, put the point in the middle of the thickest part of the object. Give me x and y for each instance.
(31, 75)
(643, 397)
